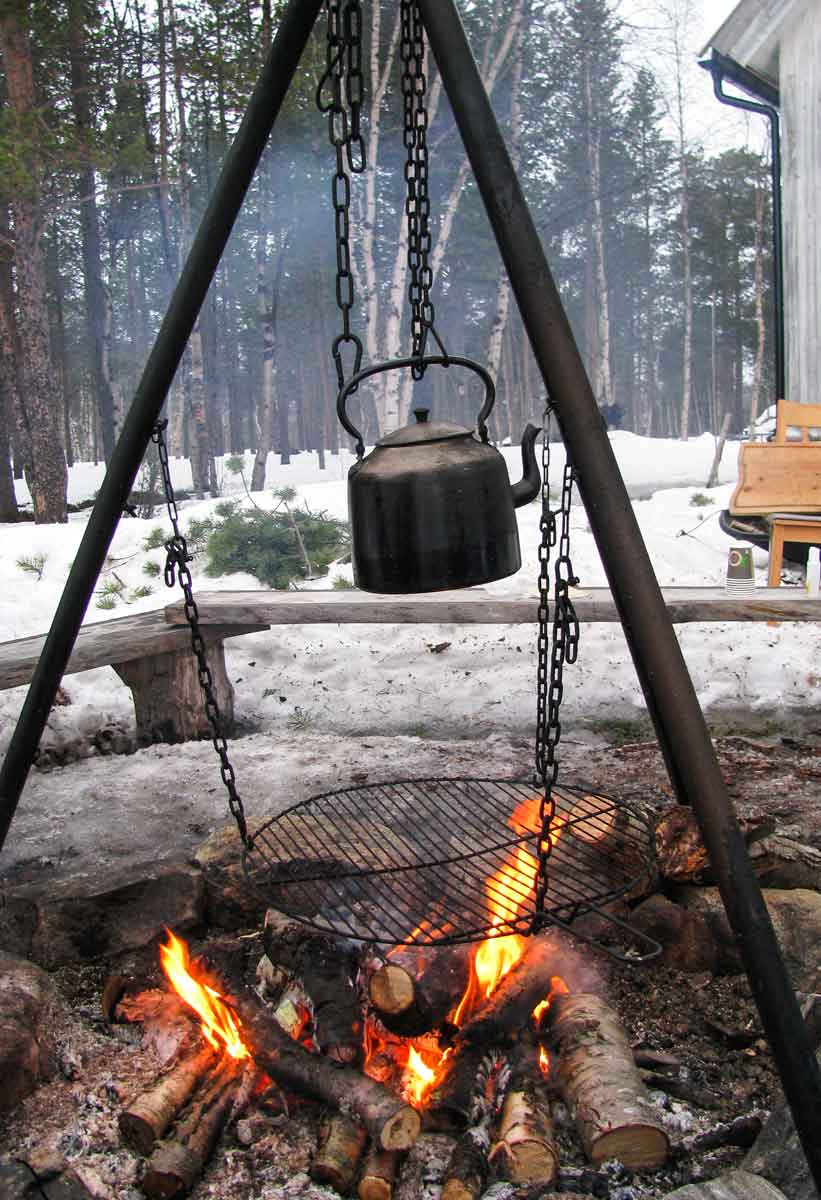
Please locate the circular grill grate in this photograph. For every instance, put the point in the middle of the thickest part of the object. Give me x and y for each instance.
(430, 861)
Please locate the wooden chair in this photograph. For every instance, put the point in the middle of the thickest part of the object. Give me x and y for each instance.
(795, 526)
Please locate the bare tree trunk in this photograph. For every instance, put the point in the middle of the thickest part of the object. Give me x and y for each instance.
(499, 325)
(16, 420)
(95, 297)
(202, 469)
(492, 63)
(600, 365)
(760, 324)
(47, 476)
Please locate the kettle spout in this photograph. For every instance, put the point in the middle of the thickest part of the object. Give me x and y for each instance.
(530, 484)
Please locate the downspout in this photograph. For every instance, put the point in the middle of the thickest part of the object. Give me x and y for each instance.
(723, 68)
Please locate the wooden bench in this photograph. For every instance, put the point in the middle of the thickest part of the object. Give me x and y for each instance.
(153, 656)
(151, 652)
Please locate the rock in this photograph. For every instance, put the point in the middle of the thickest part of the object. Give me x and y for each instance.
(44, 1175)
(686, 938)
(231, 902)
(696, 936)
(70, 925)
(796, 917)
(777, 1154)
(732, 1185)
(27, 1056)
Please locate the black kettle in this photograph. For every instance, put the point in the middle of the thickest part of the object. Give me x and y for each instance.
(432, 506)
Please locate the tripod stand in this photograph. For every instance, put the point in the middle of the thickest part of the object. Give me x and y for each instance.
(669, 693)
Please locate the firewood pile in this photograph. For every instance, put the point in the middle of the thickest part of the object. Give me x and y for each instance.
(422, 1086)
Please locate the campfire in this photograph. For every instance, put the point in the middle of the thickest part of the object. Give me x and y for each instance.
(422, 1052)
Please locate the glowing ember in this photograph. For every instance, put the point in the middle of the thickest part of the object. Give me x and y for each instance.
(219, 1025)
(544, 1061)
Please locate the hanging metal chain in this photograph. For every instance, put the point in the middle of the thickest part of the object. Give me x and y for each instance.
(556, 647)
(176, 570)
(343, 78)
(417, 200)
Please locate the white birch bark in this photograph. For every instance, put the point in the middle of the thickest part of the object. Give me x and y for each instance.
(761, 329)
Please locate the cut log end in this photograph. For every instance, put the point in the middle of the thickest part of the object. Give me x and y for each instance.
(401, 1130)
(641, 1148)
(391, 989)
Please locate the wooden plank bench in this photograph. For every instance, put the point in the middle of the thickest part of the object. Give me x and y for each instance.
(151, 652)
(153, 656)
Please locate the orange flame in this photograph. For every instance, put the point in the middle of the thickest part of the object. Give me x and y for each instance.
(219, 1025)
(508, 891)
(419, 1077)
(544, 1061)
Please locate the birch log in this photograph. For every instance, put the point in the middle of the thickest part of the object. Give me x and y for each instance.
(526, 1142)
(418, 986)
(379, 1174)
(341, 1142)
(149, 1115)
(593, 1066)
(393, 1124)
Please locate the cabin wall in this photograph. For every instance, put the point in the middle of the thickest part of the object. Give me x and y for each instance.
(800, 87)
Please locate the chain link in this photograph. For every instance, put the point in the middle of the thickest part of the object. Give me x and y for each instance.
(176, 570)
(344, 81)
(556, 647)
(417, 200)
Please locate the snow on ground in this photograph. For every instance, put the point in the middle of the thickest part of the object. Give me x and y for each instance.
(362, 679)
(305, 687)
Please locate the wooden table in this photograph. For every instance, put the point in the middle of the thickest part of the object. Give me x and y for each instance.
(789, 527)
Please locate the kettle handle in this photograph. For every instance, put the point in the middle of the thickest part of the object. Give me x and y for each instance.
(397, 364)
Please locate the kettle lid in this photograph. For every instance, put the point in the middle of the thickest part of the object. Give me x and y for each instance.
(424, 431)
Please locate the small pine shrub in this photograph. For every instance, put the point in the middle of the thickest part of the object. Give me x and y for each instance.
(226, 508)
(32, 564)
(112, 587)
(272, 546)
(151, 569)
(342, 584)
(198, 533)
(139, 592)
(699, 500)
(156, 538)
(107, 601)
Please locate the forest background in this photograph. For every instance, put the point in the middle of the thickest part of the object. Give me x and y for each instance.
(115, 116)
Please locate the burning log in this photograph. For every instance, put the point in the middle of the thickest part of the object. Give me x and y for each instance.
(527, 983)
(177, 1163)
(341, 1142)
(525, 1128)
(416, 989)
(469, 1165)
(327, 966)
(379, 1174)
(150, 1114)
(452, 1105)
(392, 1124)
(594, 1068)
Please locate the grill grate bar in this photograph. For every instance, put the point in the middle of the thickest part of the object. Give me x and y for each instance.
(431, 861)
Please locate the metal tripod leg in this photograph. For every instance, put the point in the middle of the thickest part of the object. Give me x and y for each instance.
(235, 177)
(661, 669)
